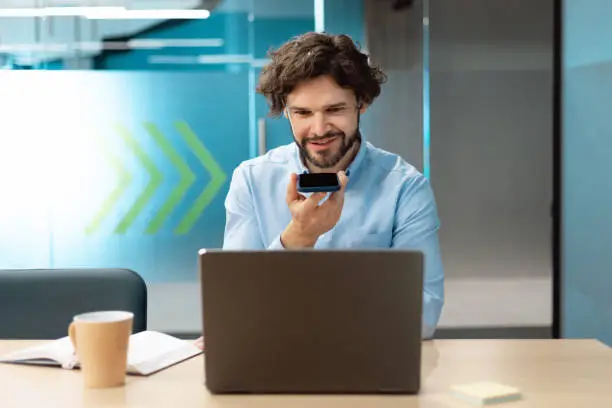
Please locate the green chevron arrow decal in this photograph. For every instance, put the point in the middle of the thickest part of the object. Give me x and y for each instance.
(124, 182)
(155, 180)
(187, 178)
(217, 178)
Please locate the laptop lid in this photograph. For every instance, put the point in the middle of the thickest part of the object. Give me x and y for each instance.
(323, 321)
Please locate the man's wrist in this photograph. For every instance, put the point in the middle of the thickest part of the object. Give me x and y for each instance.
(293, 239)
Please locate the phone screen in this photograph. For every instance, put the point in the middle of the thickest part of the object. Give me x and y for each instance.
(318, 179)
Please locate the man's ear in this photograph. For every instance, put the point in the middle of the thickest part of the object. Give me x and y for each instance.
(363, 107)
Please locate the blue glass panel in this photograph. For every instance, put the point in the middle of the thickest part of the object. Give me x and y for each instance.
(132, 167)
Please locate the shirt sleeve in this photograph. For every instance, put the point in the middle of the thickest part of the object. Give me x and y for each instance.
(241, 228)
(241, 224)
(276, 244)
(416, 228)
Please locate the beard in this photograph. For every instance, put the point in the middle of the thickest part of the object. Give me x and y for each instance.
(329, 158)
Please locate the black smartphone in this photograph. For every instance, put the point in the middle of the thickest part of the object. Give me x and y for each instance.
(318, 183)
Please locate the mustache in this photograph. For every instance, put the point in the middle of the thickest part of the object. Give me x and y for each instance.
(324, 136)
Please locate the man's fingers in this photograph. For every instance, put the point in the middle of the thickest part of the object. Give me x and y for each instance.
(343, 179)
(292, 193)
(313, 201)
(338, 196)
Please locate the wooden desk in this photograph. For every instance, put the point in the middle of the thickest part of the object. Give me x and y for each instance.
(551, 373)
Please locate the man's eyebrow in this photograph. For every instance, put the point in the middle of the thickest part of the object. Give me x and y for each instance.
(336, 105)
(331, 106)
(297, 108)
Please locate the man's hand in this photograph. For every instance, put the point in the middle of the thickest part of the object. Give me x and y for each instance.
(309, 219)
(199, 343)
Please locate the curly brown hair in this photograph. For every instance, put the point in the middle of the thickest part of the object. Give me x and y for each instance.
(314, 54)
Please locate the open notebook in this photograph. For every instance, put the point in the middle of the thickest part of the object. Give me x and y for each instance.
(149, 352)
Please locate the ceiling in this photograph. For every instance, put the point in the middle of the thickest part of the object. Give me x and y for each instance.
(31, 40)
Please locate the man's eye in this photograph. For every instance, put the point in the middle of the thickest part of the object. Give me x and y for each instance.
(336, 110)
(301, 113)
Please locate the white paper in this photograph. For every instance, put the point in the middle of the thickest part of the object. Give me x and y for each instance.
(148, 352)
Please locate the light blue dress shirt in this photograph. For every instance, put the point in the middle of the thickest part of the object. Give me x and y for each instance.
(388, 204)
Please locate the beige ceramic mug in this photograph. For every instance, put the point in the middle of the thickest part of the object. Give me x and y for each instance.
(101, 341)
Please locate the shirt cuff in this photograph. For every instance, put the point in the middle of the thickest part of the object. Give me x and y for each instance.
(276, 244)
(427, 332)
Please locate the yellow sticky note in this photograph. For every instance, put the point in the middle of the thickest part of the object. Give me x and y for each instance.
(485, 393)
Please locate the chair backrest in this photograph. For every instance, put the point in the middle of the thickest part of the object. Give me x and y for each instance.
(40, 303)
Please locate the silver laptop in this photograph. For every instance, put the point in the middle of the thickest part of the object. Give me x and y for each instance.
(314, 321)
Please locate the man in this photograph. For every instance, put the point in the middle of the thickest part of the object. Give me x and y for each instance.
(322, 84)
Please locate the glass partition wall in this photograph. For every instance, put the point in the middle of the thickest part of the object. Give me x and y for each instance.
(121, 128)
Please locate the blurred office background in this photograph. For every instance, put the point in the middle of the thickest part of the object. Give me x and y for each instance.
(120, 131)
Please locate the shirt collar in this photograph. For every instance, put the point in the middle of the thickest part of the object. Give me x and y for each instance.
(352, 168)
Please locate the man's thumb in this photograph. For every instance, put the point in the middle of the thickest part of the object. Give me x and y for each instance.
(343, 178)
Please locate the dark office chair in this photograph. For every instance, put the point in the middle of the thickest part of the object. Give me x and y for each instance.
(40, 303)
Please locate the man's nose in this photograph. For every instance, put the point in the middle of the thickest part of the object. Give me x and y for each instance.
(319, 124)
